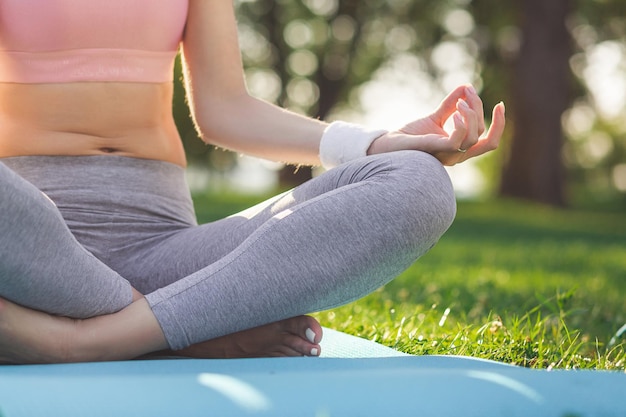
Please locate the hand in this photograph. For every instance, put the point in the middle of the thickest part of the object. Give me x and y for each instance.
(467, 138)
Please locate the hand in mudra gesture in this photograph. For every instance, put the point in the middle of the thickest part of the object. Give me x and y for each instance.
(467, 138)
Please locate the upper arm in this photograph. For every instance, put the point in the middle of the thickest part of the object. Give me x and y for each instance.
(219, 100)
(211, 55)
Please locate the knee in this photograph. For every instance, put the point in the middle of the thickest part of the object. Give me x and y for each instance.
(430, 203)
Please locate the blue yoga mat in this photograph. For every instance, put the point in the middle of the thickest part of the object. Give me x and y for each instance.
(354, 377)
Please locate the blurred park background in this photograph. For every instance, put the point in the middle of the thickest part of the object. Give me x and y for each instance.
(558, 65)
(533, 271)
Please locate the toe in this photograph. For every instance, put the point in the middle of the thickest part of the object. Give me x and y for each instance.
(305, 327)
(293, 345)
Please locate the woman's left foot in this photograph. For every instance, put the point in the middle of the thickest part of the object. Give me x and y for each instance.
(297, 336)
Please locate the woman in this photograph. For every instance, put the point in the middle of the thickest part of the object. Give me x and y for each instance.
(117, 267)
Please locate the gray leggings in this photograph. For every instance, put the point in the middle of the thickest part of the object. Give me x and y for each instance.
(119, 221)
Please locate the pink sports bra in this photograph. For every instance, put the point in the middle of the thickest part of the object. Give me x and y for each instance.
(54, 41)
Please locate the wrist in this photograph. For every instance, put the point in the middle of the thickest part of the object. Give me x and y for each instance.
(343, 142)
(378, 145)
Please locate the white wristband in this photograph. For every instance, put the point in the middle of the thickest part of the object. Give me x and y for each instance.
(343, 142)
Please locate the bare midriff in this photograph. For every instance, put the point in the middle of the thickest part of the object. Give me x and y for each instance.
(91, 118)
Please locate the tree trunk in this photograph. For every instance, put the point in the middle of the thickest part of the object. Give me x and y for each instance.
(541, 93)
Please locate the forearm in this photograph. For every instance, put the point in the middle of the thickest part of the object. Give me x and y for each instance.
(254, 127)
(129, 333)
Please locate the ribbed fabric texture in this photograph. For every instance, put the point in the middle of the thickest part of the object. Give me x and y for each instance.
(47, 41)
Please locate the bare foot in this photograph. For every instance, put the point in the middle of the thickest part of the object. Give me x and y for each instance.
(297, 336)
(29, 336)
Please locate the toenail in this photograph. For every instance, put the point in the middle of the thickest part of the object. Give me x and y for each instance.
(310, 334)
(314, 352)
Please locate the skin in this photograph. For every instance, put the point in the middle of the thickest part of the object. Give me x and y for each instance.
(135, 119)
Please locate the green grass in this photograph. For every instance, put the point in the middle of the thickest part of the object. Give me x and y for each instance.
(510, 281)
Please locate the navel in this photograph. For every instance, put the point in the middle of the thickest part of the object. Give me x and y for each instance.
(108, 150)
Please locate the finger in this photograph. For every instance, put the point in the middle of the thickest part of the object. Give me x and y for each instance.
(471, 123)
(492, 139)
(448, 105)
(476, 104)
(498, 123)
(459, 131)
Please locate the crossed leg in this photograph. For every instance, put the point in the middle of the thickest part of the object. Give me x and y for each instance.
(43, 267)
(389, 211)
(29, 336)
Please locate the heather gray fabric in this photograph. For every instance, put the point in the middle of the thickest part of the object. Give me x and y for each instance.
(42, 266)
(325, 243)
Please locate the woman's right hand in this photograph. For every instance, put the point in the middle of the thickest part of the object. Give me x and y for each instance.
(467, 139)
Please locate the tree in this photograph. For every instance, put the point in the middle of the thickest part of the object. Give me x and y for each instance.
(541, 92)
(535, 55)
(311, 56)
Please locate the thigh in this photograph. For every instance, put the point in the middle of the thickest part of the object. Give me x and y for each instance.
(326, 243)
(42, 266)
(179, 254)
(155, 263)
(173, 255)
